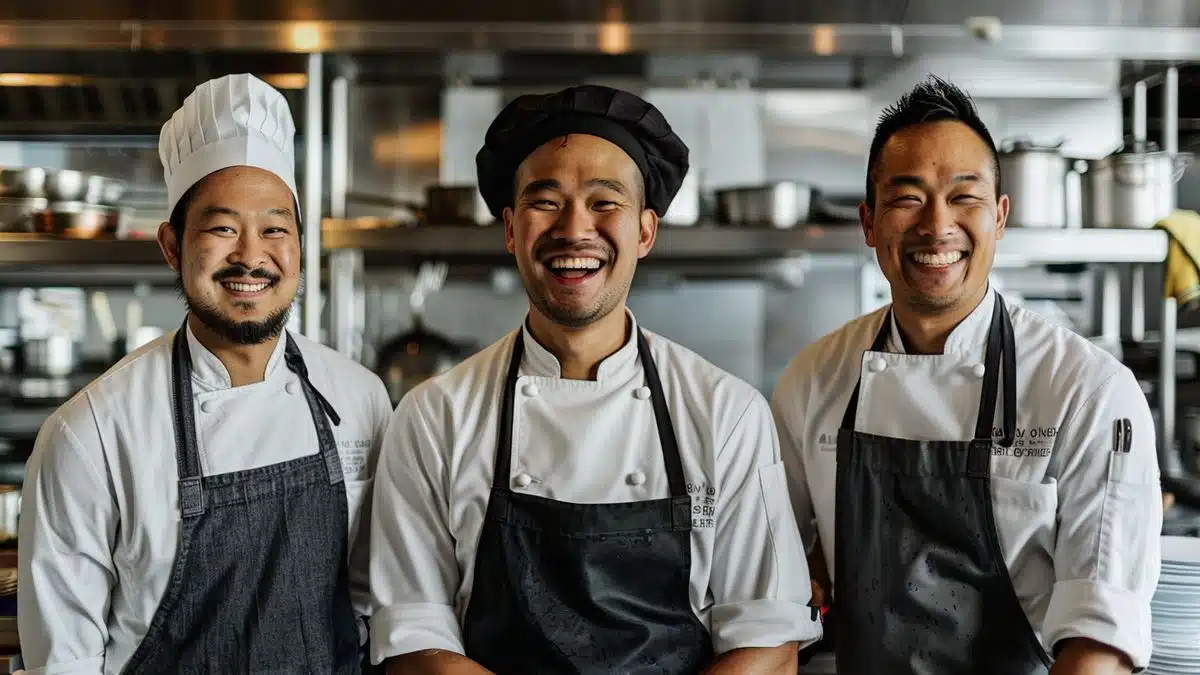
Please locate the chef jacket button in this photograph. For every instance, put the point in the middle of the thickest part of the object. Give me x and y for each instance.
(293, 387)
(878, 365)
(979, 370)
(636, 478)
(530, 389)
(523, 480)
(207, 406)
(642, 393)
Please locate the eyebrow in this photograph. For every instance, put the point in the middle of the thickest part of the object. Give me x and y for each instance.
(917, 181)
(552, 184)
(226, 211)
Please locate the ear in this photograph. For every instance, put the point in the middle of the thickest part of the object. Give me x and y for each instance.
(867, 217)
(647, 231)
(168, 243)
(1002, 206)
(509, 241)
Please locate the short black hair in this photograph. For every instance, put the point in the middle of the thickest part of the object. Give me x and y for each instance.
(933, 100)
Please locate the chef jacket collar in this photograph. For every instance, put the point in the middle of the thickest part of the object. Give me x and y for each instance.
(968, 338)
(539, 362)
(208, 371)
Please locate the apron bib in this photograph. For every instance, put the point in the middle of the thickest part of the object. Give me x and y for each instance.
(921, 585)
(259, 584)
(585, 588)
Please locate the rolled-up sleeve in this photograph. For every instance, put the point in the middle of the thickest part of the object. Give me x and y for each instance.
(414, 573)
(1107, 553)
(759, 581)
(67, 530)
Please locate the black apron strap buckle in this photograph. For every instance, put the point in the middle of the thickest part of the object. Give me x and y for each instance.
(681, 514)
(191, 497)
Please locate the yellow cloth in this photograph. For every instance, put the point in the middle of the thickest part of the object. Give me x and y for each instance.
(1182, 276)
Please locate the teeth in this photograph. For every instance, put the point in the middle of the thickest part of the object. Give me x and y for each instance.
(245, 288)
(575, 264)
(938, 259)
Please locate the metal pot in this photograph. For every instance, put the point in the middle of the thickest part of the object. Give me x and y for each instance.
(60, 185)
(413, 357)
(782, 205)
(1133, 187)
(52, 356)
(78, 220)
(1038, 181)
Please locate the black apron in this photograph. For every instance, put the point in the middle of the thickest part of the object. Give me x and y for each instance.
(920, 582)
(585, 588)
(259, 583)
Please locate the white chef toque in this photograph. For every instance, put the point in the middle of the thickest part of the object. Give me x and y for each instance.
(235, 120)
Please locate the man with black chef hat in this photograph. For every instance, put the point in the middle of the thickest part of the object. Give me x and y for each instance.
(584, 496)
(196, 509)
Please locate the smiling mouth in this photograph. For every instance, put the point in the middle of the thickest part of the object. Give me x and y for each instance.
(246, 288)
(943, 259)
(573, 268)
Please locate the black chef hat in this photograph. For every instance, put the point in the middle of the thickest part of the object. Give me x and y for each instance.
(617, 116)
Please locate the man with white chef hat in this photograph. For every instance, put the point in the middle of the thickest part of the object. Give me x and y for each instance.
(584, 496)
(982, 483)
(197, 507)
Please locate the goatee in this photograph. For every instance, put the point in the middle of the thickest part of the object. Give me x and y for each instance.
(236, 332)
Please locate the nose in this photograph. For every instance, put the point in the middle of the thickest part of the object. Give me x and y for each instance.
(250, 251)
(574, 222)
(937, 220)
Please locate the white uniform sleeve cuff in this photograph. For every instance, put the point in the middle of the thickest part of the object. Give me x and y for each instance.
(1108, 615)
(89, 666)
(404, 629)
(762, 623)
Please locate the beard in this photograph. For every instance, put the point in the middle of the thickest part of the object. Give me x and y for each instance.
(235, 332)
(571, 314)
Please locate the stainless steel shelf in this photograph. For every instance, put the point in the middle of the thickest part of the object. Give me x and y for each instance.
(29, 249)
(461, 243)
(1019, 247)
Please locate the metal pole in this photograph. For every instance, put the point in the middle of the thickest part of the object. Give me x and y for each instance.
(1168, 459)
(345, 267)
(313, 178)
(1139, 111)
(1170, 139)
(1137, 304)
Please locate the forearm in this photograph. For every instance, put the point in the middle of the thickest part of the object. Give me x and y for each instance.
(434, 662)
(1080, 656)
(779, 660)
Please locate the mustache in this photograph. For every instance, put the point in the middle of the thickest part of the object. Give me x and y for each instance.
(555, 247)
(238, 270)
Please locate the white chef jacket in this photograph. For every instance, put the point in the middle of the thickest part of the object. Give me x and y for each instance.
(100, 520)
(1079, 525)
(586, 442)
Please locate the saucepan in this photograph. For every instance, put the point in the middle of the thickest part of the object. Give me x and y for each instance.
(780, 205)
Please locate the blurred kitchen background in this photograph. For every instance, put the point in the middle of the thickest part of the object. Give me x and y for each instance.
(1096, 102)
(761, 253)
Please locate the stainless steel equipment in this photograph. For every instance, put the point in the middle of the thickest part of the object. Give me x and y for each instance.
(419, 354)
(1037, 179)
(54, 355)
(781, 205)
(1134, 186)
(78, 220)
(60, 185)
(16, 214)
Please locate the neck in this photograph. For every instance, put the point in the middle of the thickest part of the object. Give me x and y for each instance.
(246, 364)
(580, 350)
(925, 333)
